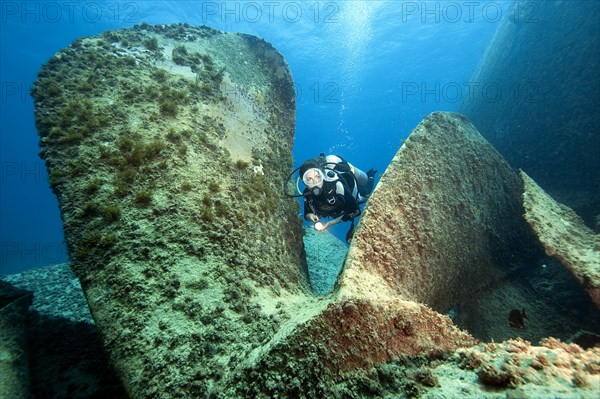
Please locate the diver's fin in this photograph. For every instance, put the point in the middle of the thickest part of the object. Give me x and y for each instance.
(350, 233)
(371, 182)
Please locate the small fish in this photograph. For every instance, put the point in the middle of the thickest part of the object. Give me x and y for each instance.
(516, 318)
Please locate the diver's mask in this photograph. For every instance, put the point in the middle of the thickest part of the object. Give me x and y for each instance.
(313, 177)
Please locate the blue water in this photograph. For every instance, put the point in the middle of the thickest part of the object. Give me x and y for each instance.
(366, 72)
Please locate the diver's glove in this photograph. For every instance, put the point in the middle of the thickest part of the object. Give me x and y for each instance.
(312, 217)
(371, 173)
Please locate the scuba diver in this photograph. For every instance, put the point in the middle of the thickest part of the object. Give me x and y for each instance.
(334, 188)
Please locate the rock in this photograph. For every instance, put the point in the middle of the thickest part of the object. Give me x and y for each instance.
(564, 236)
(444, 220)
(65, 349)
(536, 101)
(56, 293)
(585, 339)
(554, 302)
(569, 369)
(14, 353)
(166, 146)
(325, 256)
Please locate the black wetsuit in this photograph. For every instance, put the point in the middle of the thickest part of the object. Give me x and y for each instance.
(329, 202)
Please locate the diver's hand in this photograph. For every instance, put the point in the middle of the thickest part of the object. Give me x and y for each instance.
(324, 226)
(312, 217)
